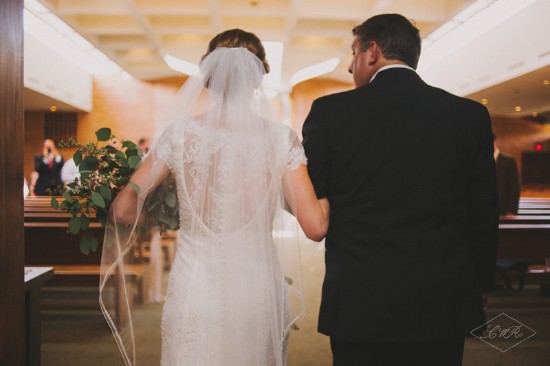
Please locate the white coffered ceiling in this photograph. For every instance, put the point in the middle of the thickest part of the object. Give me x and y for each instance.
(137, 34)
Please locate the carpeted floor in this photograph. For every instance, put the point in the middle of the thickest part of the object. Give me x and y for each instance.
(75, 333)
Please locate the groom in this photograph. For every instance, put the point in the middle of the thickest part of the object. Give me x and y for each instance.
(410, 176)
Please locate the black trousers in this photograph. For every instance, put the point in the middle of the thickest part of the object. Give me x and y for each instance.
(432, 353)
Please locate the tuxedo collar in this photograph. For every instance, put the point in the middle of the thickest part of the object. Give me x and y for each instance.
(395, 76)
(392, 66)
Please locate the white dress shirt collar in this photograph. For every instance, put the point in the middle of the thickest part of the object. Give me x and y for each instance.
(392, 66)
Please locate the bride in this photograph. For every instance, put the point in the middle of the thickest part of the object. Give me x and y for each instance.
(234, 289)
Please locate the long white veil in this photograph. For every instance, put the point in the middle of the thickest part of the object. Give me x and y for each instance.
(237, 268)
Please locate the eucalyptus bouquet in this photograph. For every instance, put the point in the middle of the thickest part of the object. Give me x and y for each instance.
(104, 172)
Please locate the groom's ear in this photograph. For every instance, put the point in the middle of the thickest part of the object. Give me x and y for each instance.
(374, 53)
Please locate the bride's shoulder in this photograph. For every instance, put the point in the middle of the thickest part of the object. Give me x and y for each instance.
(278, 128)
(175, 128)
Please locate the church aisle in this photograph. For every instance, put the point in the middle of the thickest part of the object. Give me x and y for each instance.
(82, 338)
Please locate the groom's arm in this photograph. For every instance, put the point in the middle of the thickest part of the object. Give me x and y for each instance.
(315, 144)
(484, 202)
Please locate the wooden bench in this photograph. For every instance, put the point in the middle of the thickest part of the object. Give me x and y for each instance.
(525, 219)
(526, 239)
(531, 241)
(47, 243)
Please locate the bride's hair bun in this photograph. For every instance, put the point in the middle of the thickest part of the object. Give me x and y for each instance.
(234, 38)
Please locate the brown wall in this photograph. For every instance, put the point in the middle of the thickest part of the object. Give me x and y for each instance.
(132, 108)
(517, 135)
(34, 138)
(129, 108)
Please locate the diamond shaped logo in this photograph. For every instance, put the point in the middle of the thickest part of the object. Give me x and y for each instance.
(503, 332)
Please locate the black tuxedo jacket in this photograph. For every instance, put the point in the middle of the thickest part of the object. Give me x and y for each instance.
(410, 176)
(47, 178)
(508, 184)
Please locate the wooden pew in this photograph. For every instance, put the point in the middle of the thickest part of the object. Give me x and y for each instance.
(527, 238)
(534, 211)
(531, 241)
(525, 219)
(47, 243)
(534, 206)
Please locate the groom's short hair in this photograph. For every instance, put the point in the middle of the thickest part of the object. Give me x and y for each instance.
(396, 36)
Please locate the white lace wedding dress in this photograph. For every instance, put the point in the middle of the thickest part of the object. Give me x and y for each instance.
(227, 295)
(235, 286)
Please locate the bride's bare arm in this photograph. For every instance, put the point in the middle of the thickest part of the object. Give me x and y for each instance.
(147, 177)
(312, 213)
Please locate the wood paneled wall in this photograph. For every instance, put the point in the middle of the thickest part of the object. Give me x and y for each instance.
(12, 341)
(516, 135)
(34, 138)
(132, 109)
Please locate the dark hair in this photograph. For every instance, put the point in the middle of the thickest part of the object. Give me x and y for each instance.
(239, 38)
(396, 36)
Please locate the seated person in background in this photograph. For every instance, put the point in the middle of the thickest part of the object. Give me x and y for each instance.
(25, 188)
(507, 181)
(69, 172)
(48, 165)
(32, 184)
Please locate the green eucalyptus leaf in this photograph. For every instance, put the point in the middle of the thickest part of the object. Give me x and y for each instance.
(85, 244)
(111, 149)
(170, 199)
(77, 157)
(66, 195)
(163, 217)
(102, 217)
(88, 242)
(84, 222)
(124, 171)
(133, 161)
(119, 155)
(54, 203)
(103, 134)
(122, 181)
(105, 171)
(89, 163)
(85, 174)
(121, 159)
(74, 225)
(105, 192)
(95, 244)
(169, 221)
(129, 145)
(98, 199)
(75, 209)
(131, 152)
(151, 204)
(135, 187)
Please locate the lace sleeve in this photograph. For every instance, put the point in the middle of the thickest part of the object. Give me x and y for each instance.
(163, 145)
(296, 155)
